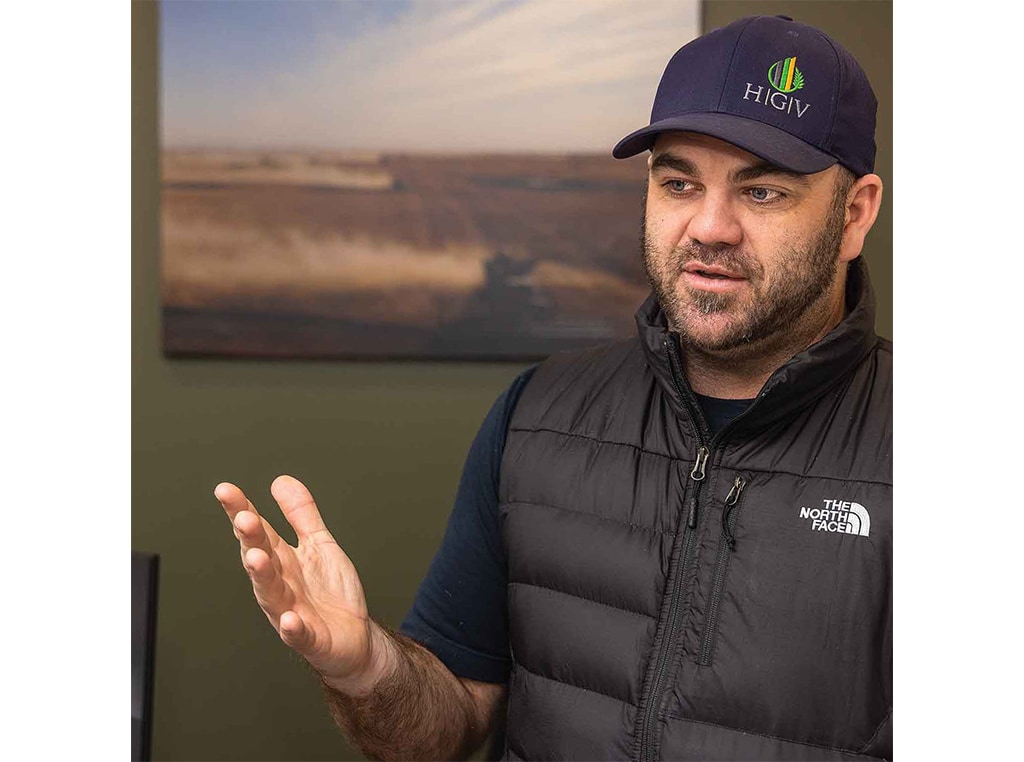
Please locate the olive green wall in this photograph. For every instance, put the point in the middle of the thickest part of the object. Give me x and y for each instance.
(381, 446)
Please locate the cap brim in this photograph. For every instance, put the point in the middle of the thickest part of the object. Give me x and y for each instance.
(763, 140)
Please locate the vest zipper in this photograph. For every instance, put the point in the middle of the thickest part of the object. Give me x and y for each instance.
(648, 741)
(725, 547)
(647, 737)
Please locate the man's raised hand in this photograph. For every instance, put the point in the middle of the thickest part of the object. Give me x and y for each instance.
(310, 593)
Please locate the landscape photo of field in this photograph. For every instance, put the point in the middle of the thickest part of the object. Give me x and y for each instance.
(418, 208)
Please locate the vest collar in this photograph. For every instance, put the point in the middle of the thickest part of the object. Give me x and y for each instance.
(799, 382)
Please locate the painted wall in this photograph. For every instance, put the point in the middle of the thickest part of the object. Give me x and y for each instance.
(380, 445)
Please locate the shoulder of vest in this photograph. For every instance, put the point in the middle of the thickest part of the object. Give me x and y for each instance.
(569, 383)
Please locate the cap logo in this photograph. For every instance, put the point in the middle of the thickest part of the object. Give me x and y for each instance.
(784, 76)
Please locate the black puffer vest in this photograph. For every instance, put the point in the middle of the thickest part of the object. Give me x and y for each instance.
(677, 596)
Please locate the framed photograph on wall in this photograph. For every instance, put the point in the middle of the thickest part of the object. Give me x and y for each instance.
(414, 179)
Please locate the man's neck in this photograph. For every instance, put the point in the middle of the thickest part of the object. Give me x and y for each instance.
(731, 379)
(740, 374)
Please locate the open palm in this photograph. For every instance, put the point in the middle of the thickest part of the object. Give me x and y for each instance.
(311, 593)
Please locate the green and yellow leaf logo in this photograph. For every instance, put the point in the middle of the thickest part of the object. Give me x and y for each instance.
(784, 76)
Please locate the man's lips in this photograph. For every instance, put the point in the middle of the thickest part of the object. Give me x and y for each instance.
(713, 278)
(710, 271)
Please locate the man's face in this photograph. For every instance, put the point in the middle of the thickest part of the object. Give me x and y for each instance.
(739, 253)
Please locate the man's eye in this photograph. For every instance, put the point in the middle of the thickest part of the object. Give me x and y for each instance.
(677, 186)
(763, 195)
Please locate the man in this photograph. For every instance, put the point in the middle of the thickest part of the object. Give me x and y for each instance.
(676, 546)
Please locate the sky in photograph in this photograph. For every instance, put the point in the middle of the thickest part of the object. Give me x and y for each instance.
(414, 75)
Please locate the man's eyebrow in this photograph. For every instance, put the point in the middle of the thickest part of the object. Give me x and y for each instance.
(671, 161)
(766, 168)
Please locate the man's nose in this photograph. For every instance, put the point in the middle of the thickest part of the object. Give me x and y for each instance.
(714, 221)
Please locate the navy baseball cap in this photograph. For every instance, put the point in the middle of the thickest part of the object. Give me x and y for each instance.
(783, 91)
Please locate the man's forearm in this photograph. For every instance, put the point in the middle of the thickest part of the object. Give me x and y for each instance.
(417, 710)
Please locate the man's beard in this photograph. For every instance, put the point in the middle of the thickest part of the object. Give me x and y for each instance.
(802, 278)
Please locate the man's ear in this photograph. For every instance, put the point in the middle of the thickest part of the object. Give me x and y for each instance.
(862, 204)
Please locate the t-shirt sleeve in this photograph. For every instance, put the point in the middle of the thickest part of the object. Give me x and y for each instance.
(460, 611)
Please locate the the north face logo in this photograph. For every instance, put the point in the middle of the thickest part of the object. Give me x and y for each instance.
(839, 516)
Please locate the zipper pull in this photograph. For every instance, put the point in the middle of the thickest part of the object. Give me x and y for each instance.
(734, 493)
(730, 501)
(697, 474)
(691, 517)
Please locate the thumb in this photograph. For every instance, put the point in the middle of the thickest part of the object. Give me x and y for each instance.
(298, 506)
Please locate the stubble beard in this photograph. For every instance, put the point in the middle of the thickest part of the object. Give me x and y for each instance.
(800, 287)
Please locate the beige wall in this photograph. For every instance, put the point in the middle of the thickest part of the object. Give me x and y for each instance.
(381, 445)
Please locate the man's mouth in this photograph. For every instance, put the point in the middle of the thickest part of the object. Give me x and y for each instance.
(713, 272)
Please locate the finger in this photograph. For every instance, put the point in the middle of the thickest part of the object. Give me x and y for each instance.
(234, 501)
(271, 592)
(298, 507)
(251, 532)
(294, 632)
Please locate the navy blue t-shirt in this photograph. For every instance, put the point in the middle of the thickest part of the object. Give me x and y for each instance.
(718, 412)
(460, 611)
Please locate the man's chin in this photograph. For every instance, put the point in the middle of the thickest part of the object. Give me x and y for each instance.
(700, 303)
(714, 332)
